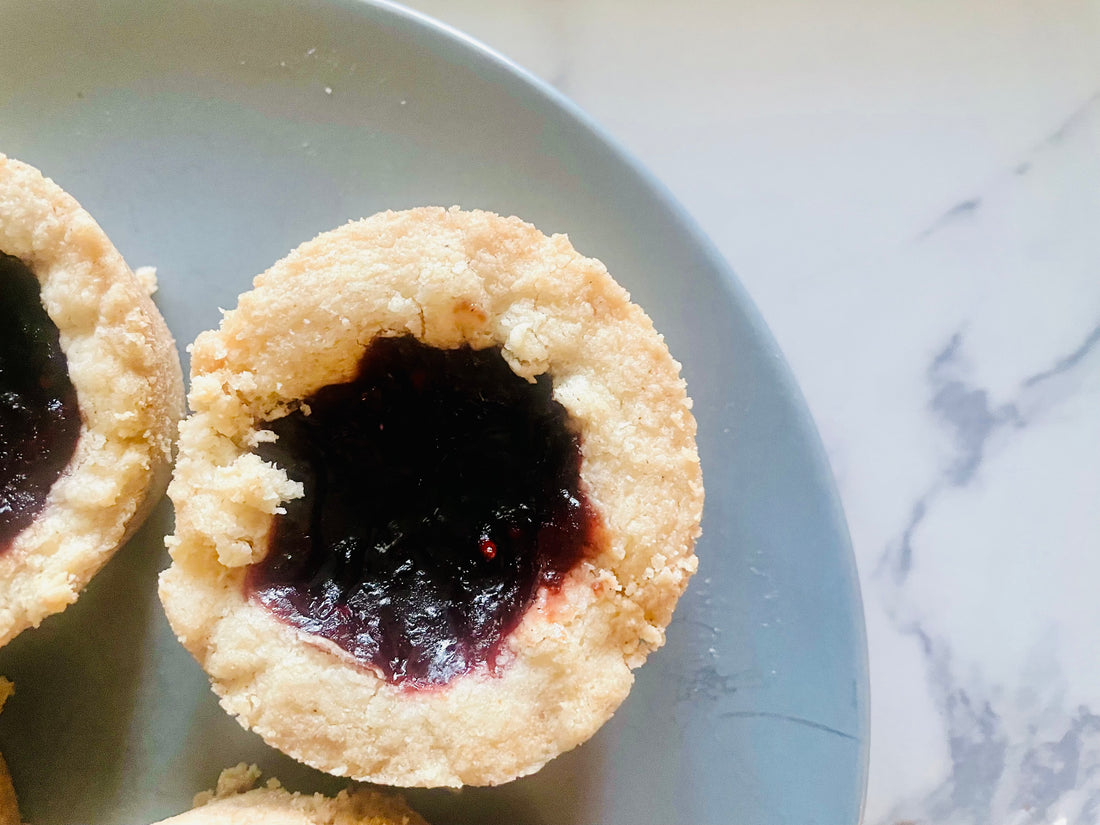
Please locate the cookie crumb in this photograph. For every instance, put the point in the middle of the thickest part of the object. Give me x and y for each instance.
(147, 277)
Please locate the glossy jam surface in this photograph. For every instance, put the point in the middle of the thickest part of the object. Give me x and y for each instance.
(441, 491)
(39, 416)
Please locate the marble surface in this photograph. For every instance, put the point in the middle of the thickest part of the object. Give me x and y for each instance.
(911, 192)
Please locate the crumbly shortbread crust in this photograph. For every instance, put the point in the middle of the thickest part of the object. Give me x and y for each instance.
(9, 806)
(126, 371)
(448, 277)
(236, 801)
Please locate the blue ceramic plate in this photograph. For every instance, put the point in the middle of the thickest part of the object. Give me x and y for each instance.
(209, 139)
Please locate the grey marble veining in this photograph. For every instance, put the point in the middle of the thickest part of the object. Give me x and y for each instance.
(912, 194)
(1007, 759)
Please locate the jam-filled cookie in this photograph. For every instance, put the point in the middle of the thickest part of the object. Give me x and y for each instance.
(236, 801)
(437, 499)
(90, 394)
(9, 806)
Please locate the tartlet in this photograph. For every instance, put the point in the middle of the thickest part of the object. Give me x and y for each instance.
(448, 279)
(125, 370)
(9, 805)
(236, 801)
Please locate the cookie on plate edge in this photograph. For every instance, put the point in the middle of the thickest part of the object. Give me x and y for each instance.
(9, 805)
(237, 801)
(90, 394)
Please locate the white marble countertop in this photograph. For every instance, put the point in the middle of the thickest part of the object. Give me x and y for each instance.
(911, 192)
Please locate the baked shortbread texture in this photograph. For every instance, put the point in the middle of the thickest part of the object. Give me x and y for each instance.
(126, 371)
(449, 278)
(236, 801)
(9, 807)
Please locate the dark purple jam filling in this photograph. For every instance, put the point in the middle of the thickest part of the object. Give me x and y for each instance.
(441, 491)
(39, 416)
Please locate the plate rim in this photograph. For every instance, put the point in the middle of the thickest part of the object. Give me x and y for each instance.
(555, 100)
(760, 329)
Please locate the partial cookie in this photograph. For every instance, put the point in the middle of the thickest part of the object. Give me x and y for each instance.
(237, 802)
(437, 499)
(90, 394)
(9, 806)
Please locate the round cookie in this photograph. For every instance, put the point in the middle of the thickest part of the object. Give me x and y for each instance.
(237, 802)
(9, 806)
(449, 279)
(124, 366)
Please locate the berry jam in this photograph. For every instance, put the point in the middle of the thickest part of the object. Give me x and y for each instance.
(441, 491)
(39, 416)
